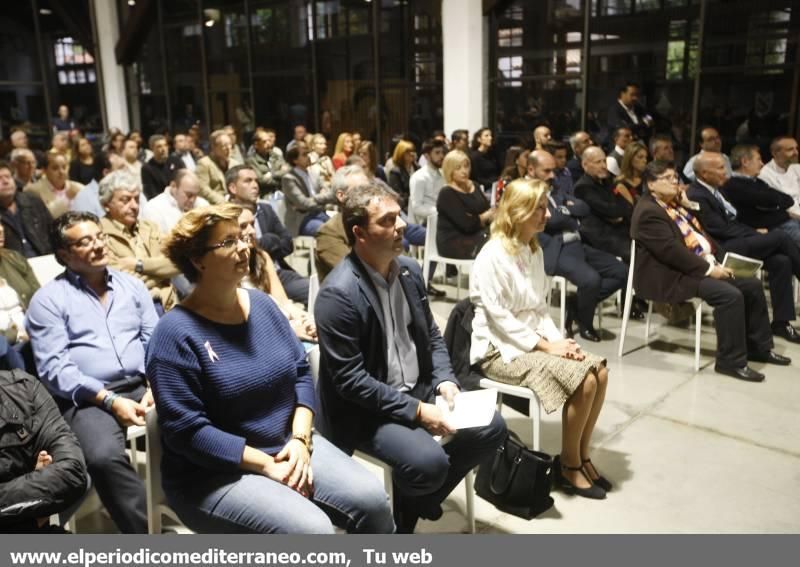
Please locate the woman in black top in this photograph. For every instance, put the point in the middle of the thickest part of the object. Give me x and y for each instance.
(404, 159)
(86, 166)
(464, 211)
(628, 184)
(484, 167)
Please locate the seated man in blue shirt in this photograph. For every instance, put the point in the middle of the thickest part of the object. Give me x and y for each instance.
(383, 361)
(89, 329)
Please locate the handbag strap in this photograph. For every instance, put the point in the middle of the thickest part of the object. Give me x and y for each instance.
(496, 466)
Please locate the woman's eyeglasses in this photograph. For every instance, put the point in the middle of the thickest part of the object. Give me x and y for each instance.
(230, 243)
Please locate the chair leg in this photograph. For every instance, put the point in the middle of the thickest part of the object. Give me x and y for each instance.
(388, 485)
(626, 313)
(536, 418)
(469, 483)
(458, 282)
(698, 318)
(563, 307)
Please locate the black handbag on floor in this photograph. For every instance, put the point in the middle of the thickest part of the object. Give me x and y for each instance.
(516, 480)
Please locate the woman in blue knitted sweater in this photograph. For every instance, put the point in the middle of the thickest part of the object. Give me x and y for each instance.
(235, 400)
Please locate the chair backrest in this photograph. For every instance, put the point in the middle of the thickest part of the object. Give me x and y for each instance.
(313, 361)
(430, 234)
(278, 203)
(45, 268)
(313, 290)
(155, 492)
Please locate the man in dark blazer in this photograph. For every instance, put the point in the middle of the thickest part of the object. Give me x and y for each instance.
(605, 227)
(595, 273)
(780, 255)
(758, 205)
(242, 184)
(383, 361)
(628, 112)
(675, 263)
(25, 218)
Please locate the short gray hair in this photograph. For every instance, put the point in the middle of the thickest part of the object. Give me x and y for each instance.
(119, 180)
(339, 180)
(19, 153)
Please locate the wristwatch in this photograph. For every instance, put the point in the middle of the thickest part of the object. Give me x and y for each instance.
(305, 440)
(108, 401)
(139, 266)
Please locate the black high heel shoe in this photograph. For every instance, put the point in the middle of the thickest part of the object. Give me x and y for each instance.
(594, 492)
(600, 481)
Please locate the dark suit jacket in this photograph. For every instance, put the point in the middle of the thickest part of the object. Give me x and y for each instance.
(36, 219)
(552, 239)
(575, 168)
(275, 239)
(353, 390)
(665, 270)
(758, 205)
(617, 117)
(714, 218)
(597, 229)
(156, 176)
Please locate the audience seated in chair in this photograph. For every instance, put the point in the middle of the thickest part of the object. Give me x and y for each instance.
(605, 227)
(757, 204)
(383, 361)
(235, 399)
(596, 274)
(18, 283)
(180, 196)
(515, 341)
(305, 200)
(464, 211)
(780, 254)
(89, 329)
(55, 188)
(160, 170)
(211, 168)
(270, 234)
(267, 161)
(134, 246)
(710, 142)
(782, 172)
(43, 468)
(677, 259)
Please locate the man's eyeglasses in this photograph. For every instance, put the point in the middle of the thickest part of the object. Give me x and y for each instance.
(89, 241)
(229, 243)
(674, 179)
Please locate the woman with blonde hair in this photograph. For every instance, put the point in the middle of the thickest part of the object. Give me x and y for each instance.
(366, 151)
(343, 150)
(628, 184)
(515, 341)
(404, 159)
(236, 401)
(464, 211)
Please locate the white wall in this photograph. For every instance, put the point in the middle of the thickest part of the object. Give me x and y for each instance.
(465, 58)
(114, 91)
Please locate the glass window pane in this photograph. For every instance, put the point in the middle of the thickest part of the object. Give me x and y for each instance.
(19, 60)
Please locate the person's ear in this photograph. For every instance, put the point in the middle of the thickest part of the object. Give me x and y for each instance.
(197, 264)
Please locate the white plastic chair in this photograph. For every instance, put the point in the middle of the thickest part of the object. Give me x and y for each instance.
(432, 254)
(535, 412)
(626, 312)
(313, 290)
(45, 268)
(156, 503)
(561, 282)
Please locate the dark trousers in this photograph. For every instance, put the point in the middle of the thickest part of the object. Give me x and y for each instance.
(595, 273)
(781, 258)
(296, 286)
(424, 471)
(740, 318)
(103, 441)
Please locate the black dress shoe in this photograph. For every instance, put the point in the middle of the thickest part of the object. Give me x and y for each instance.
(786, 331)
(569, 318)
(434, 292)
(770, 357)
(594, 491)
(636, 314)
(600, 481)
(590, 335)
(744, 373)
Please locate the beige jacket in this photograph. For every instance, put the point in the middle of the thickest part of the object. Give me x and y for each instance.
(57, 204)
(212, 179)
(143, 243)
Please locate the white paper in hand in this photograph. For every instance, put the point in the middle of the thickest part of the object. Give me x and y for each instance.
(472, 409)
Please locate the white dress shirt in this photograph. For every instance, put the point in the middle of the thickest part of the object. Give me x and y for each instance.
(424, 187)
(784, 180)
(163, 210)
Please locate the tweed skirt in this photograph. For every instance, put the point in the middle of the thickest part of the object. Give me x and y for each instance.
(553, 378)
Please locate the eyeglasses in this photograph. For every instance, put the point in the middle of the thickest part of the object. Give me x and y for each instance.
(674, 179)
(89, 241)
(230, 243)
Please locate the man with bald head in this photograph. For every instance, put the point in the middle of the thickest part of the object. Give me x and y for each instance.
(775, 248)
(783, 172)
(710, 141)
(605, 227)
(595, 273)
(541, 136)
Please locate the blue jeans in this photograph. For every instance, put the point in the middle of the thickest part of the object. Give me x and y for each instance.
(312, 223)
(792, 228)
(345, 494)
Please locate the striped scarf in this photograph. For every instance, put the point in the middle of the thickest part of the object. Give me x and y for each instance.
(688, 225)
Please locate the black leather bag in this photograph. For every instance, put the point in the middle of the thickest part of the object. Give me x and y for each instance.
(516, 480)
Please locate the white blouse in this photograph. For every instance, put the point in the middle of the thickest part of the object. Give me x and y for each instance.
(509, 294)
